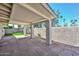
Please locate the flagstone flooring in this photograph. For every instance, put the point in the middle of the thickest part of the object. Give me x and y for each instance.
(12, 46)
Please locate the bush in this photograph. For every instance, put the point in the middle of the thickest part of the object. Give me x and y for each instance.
(39, 35)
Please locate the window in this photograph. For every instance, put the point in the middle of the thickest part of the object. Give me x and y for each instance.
(15, 26)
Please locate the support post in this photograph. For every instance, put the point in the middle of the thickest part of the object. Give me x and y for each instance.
(48, 32)
(32, 31)
(24, 30)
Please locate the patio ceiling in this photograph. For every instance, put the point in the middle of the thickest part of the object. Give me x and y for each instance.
(25, 13)
(5, 11)
(30, 13)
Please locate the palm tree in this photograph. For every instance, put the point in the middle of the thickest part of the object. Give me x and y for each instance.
(57, 20)
(61, 16)
(74, 22)
(66, 24)
(64, 21)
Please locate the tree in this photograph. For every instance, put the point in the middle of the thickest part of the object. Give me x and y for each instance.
(19, 26)
(74, 22)
(57, 20)
(64, 21)
(66, 24)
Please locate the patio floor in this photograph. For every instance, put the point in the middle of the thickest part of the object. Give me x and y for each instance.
(35, 47)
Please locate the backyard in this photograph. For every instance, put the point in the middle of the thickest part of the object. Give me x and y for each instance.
(18, 35)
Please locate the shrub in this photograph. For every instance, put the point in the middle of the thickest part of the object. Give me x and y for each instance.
(39, 35)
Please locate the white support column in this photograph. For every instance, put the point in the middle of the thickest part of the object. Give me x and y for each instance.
(2, 31)
(24, 30)
(43, 25)
(48, 32)
(32, 31)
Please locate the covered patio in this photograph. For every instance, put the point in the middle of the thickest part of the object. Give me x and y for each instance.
(33, 13)
(25, 14)
(29, 14)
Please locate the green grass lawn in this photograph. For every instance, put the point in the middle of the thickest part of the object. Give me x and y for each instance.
(20, 34)
(17, 34)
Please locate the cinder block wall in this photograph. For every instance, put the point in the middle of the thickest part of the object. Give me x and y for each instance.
(66, 35)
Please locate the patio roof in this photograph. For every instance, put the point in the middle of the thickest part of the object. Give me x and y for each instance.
(25, 13)
(31, 13)
(5, 12)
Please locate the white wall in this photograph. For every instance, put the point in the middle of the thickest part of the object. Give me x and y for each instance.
(41, 31)
(2, 31)
(66, 35)
(69, 35)
(10, 31)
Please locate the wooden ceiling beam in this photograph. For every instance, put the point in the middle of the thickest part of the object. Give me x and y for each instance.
(4, 18)
(2, 7)
(4, 12)
(9, 5)
(3, 15)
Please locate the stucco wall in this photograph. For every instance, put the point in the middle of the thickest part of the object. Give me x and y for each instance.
(66, 35)
(2, 31)
(40, 31)
(10, 31)
(69, 35)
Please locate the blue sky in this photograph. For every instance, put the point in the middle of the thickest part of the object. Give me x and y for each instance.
(68, 11)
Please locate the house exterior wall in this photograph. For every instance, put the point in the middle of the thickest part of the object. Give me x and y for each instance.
(66, 35)
(2, 31)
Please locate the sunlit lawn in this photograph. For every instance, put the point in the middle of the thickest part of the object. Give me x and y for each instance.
(18, 34)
